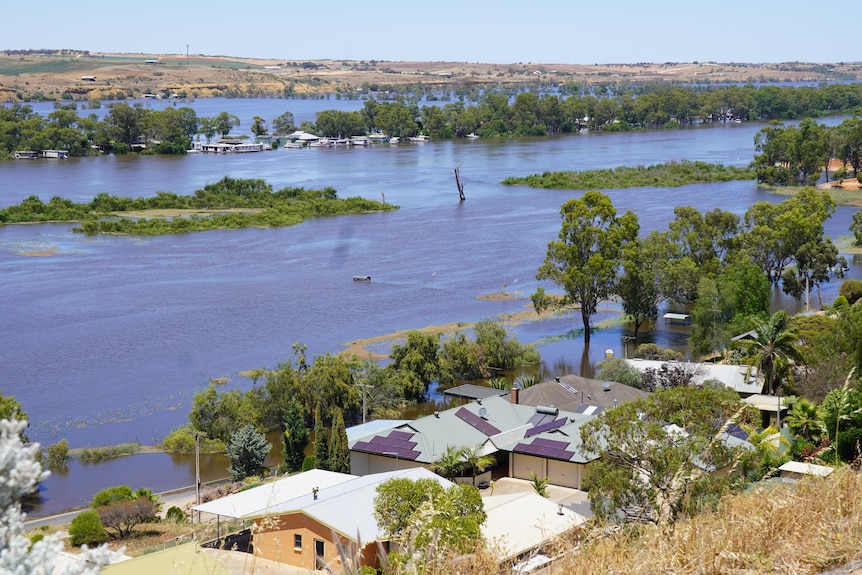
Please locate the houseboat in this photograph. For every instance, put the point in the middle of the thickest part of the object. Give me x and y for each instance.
(25, 155)
(359, 141)
(62, 154)
(420, 138)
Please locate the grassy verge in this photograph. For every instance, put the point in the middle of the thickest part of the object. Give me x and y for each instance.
(671, 174)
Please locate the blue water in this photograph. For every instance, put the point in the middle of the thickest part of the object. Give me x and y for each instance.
(107, 339)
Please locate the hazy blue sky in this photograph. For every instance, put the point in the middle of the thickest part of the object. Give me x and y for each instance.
(499, 31)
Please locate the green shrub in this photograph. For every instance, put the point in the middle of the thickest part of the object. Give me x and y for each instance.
(851, 289)
(310, 462)
(840, 302)
(87, 529)
(35, 539)
(58, 453)
(175, 515)
(182, 440)
(112, 495)
(619, 370)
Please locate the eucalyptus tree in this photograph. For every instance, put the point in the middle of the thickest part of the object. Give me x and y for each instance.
(650, 471)
(586, 257)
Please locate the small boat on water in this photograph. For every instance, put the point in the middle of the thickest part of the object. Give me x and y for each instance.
(420, 138)
(360, 141)
(362, 278)
(394, 140)
(472, 136)
(25, 155)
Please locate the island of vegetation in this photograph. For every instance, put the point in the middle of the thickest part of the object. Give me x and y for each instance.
(670, 174)
(228, 203)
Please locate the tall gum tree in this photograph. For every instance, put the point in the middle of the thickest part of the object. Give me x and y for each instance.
(586, 258)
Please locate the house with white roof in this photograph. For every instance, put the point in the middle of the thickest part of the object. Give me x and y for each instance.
(307, 527)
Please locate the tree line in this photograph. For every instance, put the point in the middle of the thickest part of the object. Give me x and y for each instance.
(495, 114)
(330, 387)
(798, 155)
(722, 265)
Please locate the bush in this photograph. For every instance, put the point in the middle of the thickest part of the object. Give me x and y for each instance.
(840, 302)
(655, 352)
(310, 462)
(122, 516)
(58, 453)
(111, 495)
(851, 289)
(182, 440)
(175, 515)
(87, 529)
(620, 371)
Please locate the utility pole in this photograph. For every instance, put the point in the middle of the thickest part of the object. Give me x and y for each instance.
(187, 55)
(364, 386)
(198, 472)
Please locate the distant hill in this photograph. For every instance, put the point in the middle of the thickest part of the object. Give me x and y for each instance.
(57, 74)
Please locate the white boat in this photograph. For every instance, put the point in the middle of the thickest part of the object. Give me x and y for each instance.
(292, 145)
(472, 136)
(359, 141)
(377, 137)
(419, 138)
(394, 140)
(25, 155)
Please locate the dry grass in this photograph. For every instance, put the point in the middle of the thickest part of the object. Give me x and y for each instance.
(799, 529)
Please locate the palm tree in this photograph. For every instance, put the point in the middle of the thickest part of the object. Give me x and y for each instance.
(804, 420)
(773, 350)
(450, 463)
(477, 463)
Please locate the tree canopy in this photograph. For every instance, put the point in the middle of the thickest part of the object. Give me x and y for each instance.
(658, 456)
(419, 512)
(585, 260)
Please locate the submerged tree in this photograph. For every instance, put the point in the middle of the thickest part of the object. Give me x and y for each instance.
(586, 257)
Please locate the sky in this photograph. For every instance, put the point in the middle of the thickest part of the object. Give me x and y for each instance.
(499, 31)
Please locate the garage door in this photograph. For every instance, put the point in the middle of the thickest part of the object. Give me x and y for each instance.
(564, 473)
(524, 465)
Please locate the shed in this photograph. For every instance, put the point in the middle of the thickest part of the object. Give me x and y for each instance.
(793, 471)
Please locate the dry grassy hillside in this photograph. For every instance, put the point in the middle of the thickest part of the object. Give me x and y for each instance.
(29, 74)
(807, 528)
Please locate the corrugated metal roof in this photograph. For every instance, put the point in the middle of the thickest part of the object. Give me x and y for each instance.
(348, 507)
(254, 501)
(520, 522)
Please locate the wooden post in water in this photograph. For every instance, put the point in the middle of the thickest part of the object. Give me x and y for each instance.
(458, 182)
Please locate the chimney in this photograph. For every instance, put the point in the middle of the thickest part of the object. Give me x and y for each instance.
(513, 396)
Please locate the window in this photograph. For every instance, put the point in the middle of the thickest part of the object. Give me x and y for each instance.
(297, 541)
(318, 548)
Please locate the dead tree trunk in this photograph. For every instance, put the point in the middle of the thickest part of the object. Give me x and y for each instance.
(459, 184)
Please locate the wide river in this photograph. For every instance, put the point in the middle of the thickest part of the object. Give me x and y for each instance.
(107, 339)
